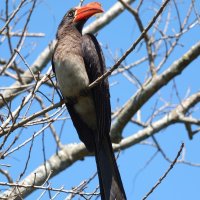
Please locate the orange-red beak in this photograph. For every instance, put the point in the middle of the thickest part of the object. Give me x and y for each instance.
(87, 11)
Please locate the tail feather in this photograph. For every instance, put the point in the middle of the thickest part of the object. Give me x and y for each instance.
(111, 186)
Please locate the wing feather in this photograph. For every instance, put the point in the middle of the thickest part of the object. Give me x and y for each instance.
(95, 67)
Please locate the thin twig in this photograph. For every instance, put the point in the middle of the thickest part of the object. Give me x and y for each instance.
(116, 65)
(165, 174)
(27, 65)
(12, 16)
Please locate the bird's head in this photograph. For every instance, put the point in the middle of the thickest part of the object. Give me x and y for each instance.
(79, 15)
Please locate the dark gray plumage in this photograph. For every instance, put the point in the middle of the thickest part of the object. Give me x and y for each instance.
(78, 61)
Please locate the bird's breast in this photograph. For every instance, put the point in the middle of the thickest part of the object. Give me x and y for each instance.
(72, 79)
(71, 75)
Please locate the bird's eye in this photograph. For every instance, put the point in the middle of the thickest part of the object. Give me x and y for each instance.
(71, 13)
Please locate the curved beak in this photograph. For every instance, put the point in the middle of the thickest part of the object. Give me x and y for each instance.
(87, 11)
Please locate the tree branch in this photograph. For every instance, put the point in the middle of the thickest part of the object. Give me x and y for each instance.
(150, 88)
(74, 152)
(45, 56)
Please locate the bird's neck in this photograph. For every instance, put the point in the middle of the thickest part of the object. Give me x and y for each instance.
(68, 41)
(68, 30)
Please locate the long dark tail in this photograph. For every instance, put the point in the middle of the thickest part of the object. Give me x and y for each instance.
(111, 186)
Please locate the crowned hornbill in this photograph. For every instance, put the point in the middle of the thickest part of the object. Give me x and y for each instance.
(78, 61)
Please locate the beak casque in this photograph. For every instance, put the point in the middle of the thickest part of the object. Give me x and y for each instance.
(87, 11)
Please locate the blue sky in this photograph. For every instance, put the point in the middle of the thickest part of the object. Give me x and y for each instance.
(138, 177)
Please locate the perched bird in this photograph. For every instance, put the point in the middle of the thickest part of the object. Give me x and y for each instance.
(78, 61)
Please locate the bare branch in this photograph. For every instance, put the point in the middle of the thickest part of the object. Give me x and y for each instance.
(12, 16)
(150, 88)
(116, 65)
(166, 173)
(46, 55)
(74, 152)
(19, 34)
